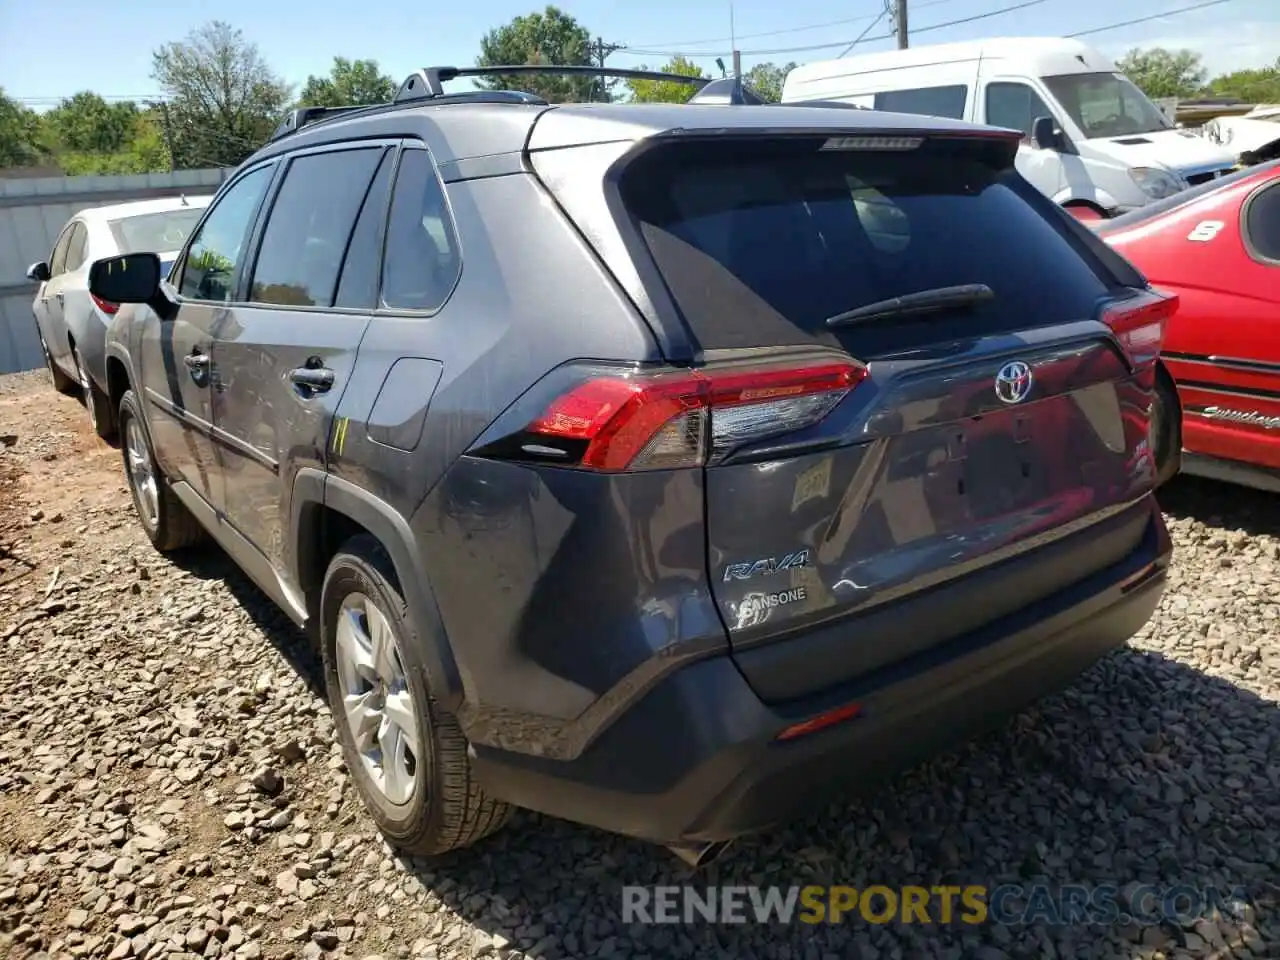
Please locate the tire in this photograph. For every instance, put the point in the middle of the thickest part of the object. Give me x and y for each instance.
(1166, 428)
(433, 805)
(61, 382)
(168, 524)
(98, 404)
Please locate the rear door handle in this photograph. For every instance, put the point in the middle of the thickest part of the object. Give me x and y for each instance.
(59, 296)
(313, 379)
(196, 362)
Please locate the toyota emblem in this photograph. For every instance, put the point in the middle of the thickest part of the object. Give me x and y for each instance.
(1013, 382)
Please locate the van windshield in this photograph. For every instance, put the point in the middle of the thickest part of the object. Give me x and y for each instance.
(1106, 104)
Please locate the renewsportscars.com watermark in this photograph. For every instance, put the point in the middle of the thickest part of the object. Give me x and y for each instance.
(1008, 904)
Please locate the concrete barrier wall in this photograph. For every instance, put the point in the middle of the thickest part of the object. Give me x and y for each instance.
(33, 211)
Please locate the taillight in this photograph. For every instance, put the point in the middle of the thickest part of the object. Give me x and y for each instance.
(651, 421)
(106, 306)
(1139, 322)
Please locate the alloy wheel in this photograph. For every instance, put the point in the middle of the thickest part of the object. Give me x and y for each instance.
(86, 386)
(377, 701)
(142, 477)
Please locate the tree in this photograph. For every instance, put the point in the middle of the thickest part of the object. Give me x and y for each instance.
(350, 82)
(767, 79)
(143, 151)
(1158, 72)
(86, 123)
(1254, 86)
(224, 100)
(19, 134)
(667, 91)
(550, 37)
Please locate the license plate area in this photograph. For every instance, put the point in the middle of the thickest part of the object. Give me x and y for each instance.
(1002, 462)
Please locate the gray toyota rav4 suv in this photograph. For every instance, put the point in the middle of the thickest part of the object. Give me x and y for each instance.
(666, 468)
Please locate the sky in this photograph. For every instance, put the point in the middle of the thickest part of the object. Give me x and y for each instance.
(107, 45)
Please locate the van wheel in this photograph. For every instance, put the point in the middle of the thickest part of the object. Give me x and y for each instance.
(1165, 431)
(407, 756)
(168, 524)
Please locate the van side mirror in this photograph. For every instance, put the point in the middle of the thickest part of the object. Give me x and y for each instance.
(38, 271)
(1045, 134)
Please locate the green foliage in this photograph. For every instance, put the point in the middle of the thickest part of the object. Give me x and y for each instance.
(224, 100)
(666, 91)
(767, 78)
(20, 134)
(350, 82)
(144, 152)
(1255, 86)
(87, 123)
(1158, 72)
(550, 37)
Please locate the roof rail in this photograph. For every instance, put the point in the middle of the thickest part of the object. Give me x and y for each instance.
(303, 116)
(428, 83)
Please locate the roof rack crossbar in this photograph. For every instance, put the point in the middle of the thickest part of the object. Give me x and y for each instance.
(429, 82)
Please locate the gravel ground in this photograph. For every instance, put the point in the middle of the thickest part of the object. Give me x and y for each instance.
(170, 786)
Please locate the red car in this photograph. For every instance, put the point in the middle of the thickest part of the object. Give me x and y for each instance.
(1217, 246)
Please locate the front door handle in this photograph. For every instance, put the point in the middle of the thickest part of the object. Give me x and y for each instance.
(196, 362)
(312, 379)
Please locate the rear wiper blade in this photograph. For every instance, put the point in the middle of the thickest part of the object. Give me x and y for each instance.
(925, 301)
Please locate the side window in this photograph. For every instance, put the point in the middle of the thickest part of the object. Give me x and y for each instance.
(1015, 106)
(926, 101)
(78, 247)
(58, 261)
(422, 260)
(358, 286)
(1262, 225)
(209, 269)
(311, 220)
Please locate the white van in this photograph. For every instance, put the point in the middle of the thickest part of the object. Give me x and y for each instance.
(1091, 139)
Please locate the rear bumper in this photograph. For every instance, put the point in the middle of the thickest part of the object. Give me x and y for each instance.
(696, 759)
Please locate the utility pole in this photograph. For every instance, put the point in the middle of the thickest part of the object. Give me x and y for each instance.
(900, 21)
(737, 63)
(600, 53)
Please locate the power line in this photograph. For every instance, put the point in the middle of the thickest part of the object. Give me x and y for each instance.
(863, 34)
(105, 96)
(1155, 16)
(846, 43)
(775, 33)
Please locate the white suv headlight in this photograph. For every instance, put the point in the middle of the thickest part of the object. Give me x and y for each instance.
(1156, 183)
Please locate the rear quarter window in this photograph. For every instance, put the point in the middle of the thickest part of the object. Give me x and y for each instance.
(760, 243)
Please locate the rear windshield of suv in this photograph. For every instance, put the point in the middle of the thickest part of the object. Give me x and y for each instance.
(161, 232)
(759, 242)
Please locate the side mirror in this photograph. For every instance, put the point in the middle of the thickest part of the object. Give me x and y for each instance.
(130, 278)
(1045, 134)
(38, 271)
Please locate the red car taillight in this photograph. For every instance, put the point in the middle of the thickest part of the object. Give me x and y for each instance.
(650, 421)
(106, 306)
(1139, 323)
